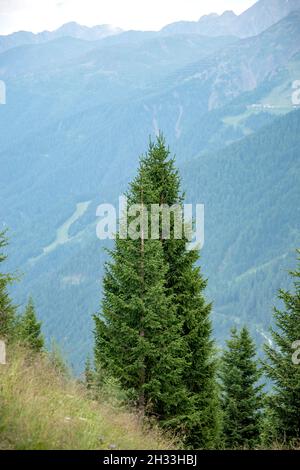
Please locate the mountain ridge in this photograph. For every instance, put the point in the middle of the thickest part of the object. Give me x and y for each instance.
(71, 29)
(251, 22)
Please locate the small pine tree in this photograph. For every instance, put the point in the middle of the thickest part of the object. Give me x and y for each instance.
(58, 360)
(242, 396)
(30, 328)
(7, 310)
(88, 373)
(280, 367)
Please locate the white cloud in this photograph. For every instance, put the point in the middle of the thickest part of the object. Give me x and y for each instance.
(38, 15)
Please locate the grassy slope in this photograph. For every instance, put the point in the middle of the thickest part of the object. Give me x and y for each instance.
(41, 409)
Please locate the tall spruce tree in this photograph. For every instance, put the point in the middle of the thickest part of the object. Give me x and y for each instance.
(7, 309)
(138, 336)
(30, 329)
(185, 285)
(242, 396)
(183, 290)
(282, 365)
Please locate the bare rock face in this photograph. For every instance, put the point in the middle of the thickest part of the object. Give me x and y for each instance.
(2, 353)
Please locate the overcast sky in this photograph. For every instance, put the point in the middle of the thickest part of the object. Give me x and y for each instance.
(38, 15)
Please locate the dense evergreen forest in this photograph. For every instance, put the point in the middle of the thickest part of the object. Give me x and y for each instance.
(154, 340)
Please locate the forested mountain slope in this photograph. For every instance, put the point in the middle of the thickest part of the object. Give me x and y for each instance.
(251, 193)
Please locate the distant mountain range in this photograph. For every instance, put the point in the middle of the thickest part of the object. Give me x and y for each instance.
(253, 21)
(71, 29)
(79, 113)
